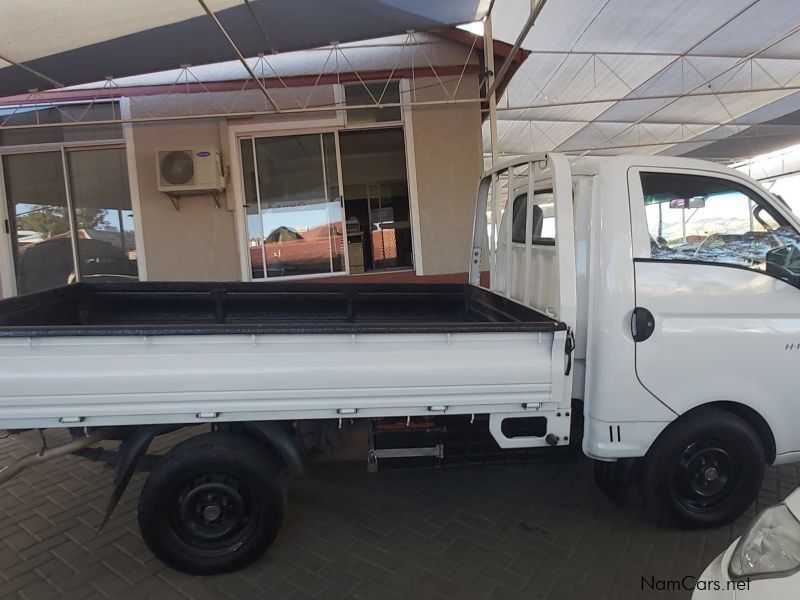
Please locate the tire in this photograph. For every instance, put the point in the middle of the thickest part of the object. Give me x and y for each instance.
(213, 504)
(704, 470)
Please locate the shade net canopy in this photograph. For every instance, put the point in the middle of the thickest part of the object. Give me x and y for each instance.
(717, 79)
(52, 43)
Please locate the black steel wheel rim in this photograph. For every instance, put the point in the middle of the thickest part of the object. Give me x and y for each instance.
(213, 514)
(705, 475)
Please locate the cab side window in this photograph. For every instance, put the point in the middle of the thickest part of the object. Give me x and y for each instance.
(544, 223)
(711, 220)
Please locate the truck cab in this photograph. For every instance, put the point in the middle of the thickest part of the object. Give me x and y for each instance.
(687, 316)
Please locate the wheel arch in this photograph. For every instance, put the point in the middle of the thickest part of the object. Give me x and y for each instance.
(750, 416)
(280, 438)
(675, 464)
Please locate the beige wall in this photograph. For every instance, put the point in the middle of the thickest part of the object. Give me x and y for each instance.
(449, 160)
(197, 243)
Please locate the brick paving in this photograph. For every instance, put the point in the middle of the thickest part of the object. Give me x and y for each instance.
(499, 532)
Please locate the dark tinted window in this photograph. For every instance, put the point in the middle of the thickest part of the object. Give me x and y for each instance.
(374, 93)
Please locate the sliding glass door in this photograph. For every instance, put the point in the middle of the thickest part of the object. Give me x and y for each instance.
(294, 207)
(69, 217)
(39, 220)
(101, 202)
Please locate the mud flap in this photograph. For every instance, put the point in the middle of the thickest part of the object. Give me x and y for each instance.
(615, 477)
(131, 450)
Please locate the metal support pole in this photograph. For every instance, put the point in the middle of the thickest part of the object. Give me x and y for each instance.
(536, 9)
(488, 51)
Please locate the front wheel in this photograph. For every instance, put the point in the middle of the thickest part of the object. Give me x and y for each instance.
(213, 504)
(704, 470)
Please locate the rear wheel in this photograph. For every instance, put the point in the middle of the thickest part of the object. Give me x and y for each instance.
(705, 469)
(213, 504)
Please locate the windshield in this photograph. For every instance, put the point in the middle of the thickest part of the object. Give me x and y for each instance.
(788, 188)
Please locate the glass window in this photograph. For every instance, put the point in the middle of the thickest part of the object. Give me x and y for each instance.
(712, 220)
(39, 220)
(390, 225)
(376, 199)
(366, 94)
(544, 222)
(67, 113)
(103, 216)
(788, 189)
(39, 210)
(255, 234)
(295, 216)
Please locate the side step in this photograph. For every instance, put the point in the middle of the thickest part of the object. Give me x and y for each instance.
(405, 443)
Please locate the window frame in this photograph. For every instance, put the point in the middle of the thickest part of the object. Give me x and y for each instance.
(370, 124)
(8, 264)
(640, 235)
(117, 106)
(535, 241)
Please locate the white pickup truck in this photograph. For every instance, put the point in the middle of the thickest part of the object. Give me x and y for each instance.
(650, 302)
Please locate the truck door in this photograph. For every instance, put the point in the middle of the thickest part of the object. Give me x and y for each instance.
(717, 315)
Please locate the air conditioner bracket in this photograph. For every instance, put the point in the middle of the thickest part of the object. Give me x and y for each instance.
(176, 198)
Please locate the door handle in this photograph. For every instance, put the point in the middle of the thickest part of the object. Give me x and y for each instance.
(642, 324)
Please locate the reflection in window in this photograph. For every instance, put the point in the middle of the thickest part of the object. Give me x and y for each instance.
(294, 215)
(103, 216)
(707, 219)
(40, 217)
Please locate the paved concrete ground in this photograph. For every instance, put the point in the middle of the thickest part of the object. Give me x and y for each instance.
(500, 532)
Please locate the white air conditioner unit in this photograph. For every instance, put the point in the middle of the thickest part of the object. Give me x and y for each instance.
(190, 170)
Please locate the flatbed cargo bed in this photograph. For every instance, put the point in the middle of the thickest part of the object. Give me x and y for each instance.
(170, 308)
(137, 353)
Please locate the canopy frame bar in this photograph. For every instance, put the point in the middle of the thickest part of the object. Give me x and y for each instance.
(34, 72)
(239, 54)
(536, 9)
